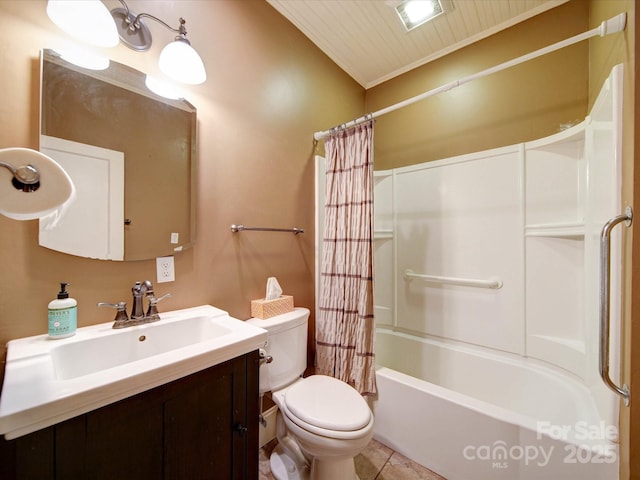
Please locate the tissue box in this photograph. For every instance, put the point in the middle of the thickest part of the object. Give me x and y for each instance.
(269, 308)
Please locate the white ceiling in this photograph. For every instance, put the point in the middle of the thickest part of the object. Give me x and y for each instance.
(367, 40)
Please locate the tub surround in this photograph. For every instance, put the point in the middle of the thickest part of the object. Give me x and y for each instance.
(469, 414)
(510, 360)
(460, 437)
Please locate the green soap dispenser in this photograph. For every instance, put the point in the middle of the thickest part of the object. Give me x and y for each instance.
(63, 314)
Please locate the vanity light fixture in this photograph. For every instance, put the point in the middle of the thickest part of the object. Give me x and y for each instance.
(178, 60)
(414, 13)
(85, 20)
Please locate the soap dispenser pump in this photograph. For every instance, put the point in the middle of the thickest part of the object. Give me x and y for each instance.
(63, 314)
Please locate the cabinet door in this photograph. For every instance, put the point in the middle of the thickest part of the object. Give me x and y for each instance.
(204, 421)
(30, 457)
(122, 440)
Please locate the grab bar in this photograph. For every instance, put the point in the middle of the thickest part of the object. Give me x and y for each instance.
(240, 228)
(493, 283)
(605, 287)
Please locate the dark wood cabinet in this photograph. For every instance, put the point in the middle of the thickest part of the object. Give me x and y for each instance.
(203, 426)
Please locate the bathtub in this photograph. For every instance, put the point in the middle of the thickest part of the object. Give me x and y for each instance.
(473, 414)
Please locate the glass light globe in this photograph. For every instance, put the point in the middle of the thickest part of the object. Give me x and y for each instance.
(163, 89)
(179, 61)
(85, 59)
(85, 20)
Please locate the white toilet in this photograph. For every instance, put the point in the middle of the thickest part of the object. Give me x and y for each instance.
(322, 422)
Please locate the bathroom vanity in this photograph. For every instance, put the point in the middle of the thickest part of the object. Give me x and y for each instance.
(184, 406)
(201, 426)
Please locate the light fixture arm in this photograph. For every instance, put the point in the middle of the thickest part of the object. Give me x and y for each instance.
(180, 30)
(135, 23)
(126, 8)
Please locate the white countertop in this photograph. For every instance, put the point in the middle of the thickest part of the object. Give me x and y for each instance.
(34, 396)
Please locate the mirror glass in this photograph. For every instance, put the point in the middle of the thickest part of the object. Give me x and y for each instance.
(132, 157)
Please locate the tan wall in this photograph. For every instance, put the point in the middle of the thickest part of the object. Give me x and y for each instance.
(269, 89)
(523, 103)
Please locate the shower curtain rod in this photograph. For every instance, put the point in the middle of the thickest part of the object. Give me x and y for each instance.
(613, 25)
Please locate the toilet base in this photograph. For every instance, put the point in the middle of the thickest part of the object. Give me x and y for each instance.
(327, 469)
(284, 468)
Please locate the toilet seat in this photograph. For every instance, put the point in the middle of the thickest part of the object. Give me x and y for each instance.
(327, 406)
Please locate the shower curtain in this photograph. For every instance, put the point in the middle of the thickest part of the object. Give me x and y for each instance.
(345, 329)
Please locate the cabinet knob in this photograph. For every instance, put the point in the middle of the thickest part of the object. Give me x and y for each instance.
(241, 429)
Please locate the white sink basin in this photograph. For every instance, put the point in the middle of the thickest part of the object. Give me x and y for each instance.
(48, 381)
(92, 355)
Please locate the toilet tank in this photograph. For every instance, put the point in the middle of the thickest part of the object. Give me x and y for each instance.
(287, 345)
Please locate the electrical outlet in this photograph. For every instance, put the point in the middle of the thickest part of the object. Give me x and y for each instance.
(164, 269)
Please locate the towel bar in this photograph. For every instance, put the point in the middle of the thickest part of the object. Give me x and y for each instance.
(239, 228)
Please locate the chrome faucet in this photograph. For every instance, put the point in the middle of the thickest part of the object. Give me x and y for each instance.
(137, 310)
(138, 315)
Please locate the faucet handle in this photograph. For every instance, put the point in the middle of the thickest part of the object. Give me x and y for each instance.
(152, 311)
(121, 313)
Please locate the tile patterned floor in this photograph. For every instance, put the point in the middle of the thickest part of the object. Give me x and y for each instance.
(376, 462)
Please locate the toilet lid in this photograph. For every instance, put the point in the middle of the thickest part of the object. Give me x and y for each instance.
(328, 403)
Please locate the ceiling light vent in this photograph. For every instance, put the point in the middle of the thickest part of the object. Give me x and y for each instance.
(414, 13)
